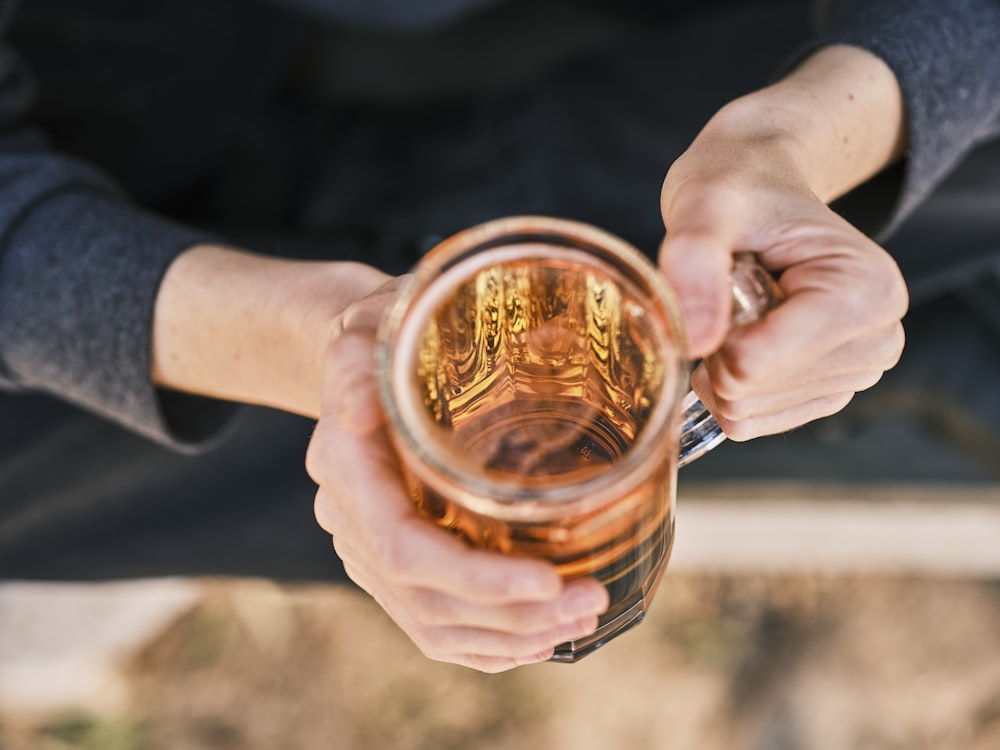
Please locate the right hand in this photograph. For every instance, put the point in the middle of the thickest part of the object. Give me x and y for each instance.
(758, 178)
(839, 328)
(471, 607)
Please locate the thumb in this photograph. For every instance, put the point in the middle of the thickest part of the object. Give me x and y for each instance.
(350, 390)
(696, 256)
(350, 381)
(698, 269)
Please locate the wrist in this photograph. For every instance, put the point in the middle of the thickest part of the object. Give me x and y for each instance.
(249, 328)
(833, 122)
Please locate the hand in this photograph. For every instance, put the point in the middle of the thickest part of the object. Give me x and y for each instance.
(478, 609)
(300, 336)
(839, 328)
(757, 179)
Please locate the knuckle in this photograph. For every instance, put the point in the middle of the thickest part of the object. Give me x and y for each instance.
(718, 189)
(340, 549)
(738, 370)
(866, 380)
(314, 458)
(738, 431)
(723, 382)
(896, 345)
(893, 293)
(355, 574)
(733, 411)
(871, 356)
(430, 642)
(854, 302)
(827, 406)
(884, 292)
(725, 386)
(323, 512)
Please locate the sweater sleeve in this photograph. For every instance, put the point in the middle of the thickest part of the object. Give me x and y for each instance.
(79, 272)
(946, 56)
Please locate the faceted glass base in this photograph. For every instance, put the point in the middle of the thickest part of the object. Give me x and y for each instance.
(626, 616)
(572, 651)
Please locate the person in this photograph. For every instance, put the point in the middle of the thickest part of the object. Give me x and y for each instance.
(226, 123)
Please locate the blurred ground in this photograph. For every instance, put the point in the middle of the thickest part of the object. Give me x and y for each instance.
(736, 660)
(759, 662)
(893, 647)
(870, 623)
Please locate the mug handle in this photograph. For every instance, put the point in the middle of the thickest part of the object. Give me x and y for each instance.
(754, 293)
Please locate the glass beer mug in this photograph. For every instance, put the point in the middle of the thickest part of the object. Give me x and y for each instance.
(533, 374)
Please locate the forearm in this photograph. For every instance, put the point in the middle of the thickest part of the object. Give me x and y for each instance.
(834, 122)
(944, 56)
(243, 327)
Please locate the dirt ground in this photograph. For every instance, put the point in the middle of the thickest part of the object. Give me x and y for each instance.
(727, 663)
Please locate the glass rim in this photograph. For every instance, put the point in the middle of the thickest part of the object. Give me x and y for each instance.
(503, 496)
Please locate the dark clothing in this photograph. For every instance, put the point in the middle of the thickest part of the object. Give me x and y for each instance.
(196, 107)
(246, 121)
(946, 57)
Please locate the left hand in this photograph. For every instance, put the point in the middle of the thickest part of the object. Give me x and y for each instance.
(481, 609)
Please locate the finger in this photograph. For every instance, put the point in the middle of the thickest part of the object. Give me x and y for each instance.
(730, 412)
(804, 329)
(350, 391)
(831, 301)
(355, 566)
(494, 664)
(434, 642)
(366, 313)
(417, 553)
(364, 580)
(871, 354)
(782, 421)
(443, 644)
(487, 649)
(407, 548)
(704, 230)
(581, 599)
(413, 605)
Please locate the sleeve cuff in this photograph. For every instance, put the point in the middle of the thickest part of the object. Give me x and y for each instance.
(944, 56)
(79, 277)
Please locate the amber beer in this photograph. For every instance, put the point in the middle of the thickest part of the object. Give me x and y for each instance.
(531, 376)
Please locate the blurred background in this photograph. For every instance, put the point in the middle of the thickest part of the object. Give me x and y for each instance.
(835, 588)
(794, 660)
(794, 615)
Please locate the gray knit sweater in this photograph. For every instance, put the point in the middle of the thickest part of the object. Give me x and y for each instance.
(80, 263)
